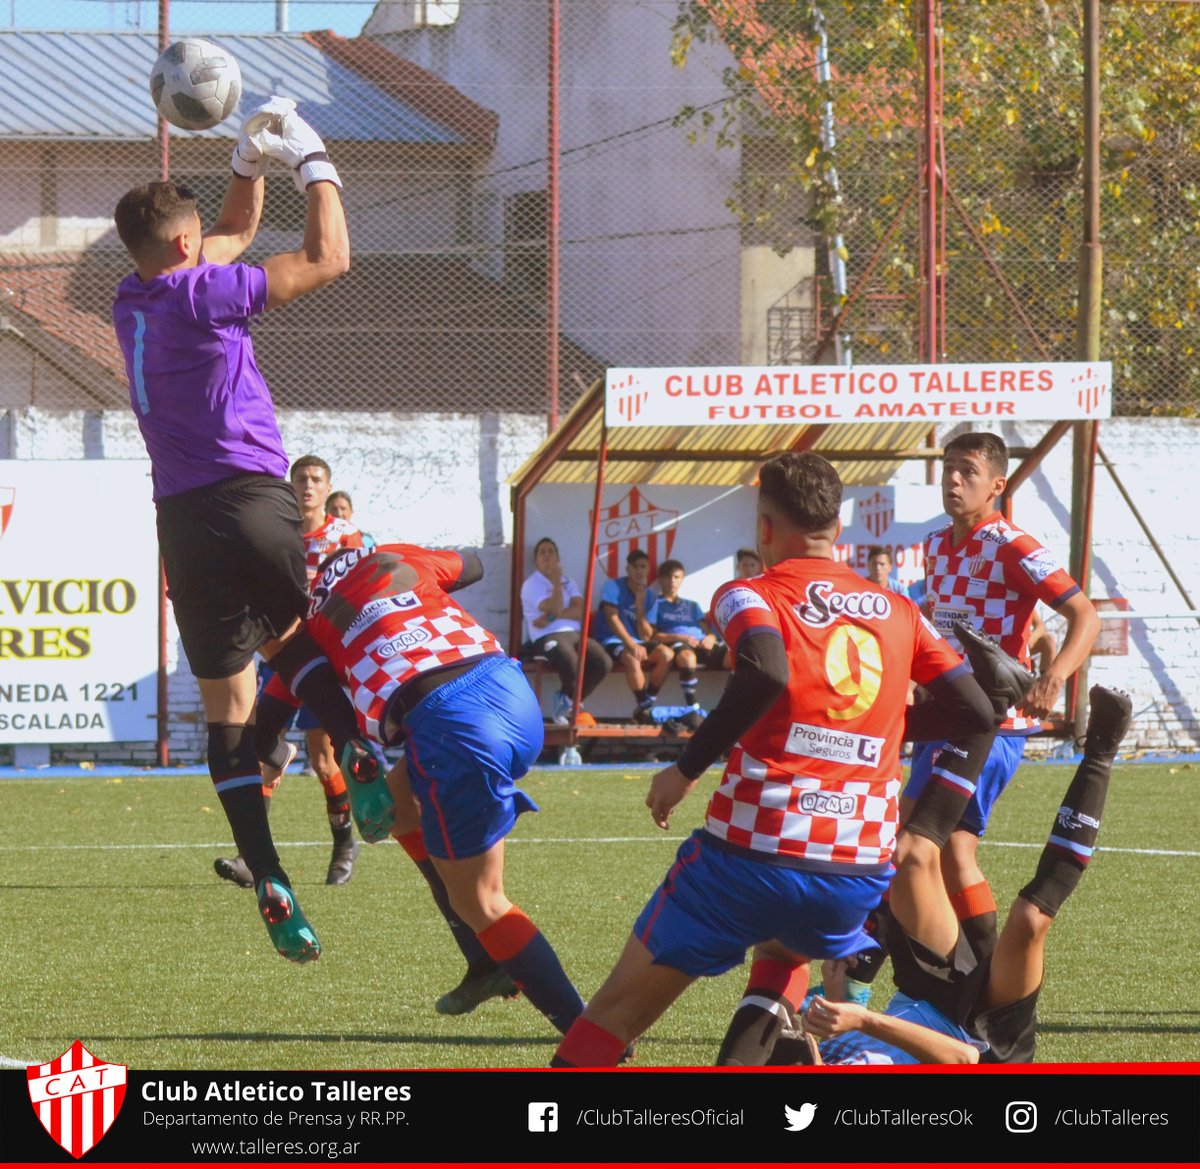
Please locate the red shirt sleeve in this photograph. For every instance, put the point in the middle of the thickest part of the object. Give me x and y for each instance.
(738, 608)
(1033, 570)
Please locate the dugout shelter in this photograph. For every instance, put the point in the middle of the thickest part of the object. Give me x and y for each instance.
(638, 429)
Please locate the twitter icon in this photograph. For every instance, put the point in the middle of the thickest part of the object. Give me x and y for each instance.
(799, 1118)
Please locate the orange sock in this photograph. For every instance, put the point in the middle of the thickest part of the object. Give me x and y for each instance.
(788, 981)
(973, 901)
(587, 1045)
(507, 937)
(413, 843)
(334, 785)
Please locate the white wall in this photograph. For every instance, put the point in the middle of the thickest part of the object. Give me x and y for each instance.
(442, 480)
(631, 293)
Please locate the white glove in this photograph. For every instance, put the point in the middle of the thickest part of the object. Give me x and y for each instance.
(298, 146)
(248, 160)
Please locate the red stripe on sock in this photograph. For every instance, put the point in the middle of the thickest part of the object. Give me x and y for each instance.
(413, 843)
(587, 1045)
(973, 900)
(785, 979)
(507, 937)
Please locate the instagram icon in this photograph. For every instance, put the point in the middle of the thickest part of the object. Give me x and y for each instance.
(1020, 1116)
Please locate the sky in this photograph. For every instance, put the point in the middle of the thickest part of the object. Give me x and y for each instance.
(186, 16)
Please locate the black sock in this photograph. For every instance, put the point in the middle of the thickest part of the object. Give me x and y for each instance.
(233, 765)
(1072, 837)
(338, 810)
(688, 683)
(956, 767)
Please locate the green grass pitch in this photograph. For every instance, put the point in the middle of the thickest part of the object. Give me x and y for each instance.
(116, 931)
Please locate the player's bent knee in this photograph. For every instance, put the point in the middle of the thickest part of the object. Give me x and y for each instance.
(1026, 923)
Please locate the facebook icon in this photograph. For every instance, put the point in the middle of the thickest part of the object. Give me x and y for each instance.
(543, 1118)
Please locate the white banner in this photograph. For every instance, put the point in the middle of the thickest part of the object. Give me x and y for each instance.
(825, 394)
(78, 602)
(895, 518)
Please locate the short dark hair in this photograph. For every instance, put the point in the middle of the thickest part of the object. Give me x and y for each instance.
(880, 550)
(982, 442)
(636, 556)
(805, 487)
(310, 461)
(669, 566)
(544, 540)
(744, 552)
(146, 215)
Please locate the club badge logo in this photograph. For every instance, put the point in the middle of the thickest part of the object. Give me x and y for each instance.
(77, 1097)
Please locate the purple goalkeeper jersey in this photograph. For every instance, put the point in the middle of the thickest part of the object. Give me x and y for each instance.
(204, 410)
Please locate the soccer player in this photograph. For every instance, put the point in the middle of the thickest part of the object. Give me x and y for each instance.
(797, 840)
(423, 672)
(682, 627)
(956, 1002)
(228, 524)
(552, 606)
(323, 534)
(627, 614)
(988, 574)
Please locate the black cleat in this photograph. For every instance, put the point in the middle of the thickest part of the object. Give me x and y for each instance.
(693, 720)
(1003, 679)
(1109, 712)
(475, 989)
(341, 863)
(233, 868)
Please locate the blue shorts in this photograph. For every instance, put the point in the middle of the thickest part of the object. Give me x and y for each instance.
(303, 719)
(1001, 765)
(714, 905)
(466, 744)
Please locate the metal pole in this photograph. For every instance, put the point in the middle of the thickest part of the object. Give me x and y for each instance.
(552, 210)
(1086, 436)
(585, 626)
(161, 731)
(929, 177)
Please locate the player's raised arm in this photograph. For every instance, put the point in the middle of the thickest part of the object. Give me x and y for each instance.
(238, 220)
(1083, 625)
(325, 253)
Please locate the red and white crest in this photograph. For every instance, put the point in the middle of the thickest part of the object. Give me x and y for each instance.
(1090, 390)
(77, 1097)
(630, 398)
(634, 522)
(8, 496)
(877, 512)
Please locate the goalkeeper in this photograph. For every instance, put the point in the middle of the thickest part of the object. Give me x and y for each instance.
(228, 523)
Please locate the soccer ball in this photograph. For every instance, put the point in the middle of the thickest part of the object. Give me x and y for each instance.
(195, 84)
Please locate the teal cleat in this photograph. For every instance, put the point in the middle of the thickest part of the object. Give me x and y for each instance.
(291, 935)
(366, 782)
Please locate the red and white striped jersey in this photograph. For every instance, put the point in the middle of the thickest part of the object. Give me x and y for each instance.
(817, 778)
(333, 534)
(993, 580)
(383, 617)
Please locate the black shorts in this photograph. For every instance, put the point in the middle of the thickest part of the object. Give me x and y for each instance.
(1010, 1031)
(952, 984)
(235, 568)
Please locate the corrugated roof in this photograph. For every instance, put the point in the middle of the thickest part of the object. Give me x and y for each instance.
(94, 86)
(709, 456)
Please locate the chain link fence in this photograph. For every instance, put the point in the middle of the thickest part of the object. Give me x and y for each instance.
(716, 198)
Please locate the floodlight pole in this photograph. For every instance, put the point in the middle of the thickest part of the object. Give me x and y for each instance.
(1086, 435)
(552, 229)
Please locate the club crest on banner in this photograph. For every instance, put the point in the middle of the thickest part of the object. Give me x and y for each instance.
(77, 1097)
(634, 522)
(8, 497)
(1090, 389)
(876, 513)
(631, 397)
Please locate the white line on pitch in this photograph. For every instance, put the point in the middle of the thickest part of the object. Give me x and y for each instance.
(522, 840)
